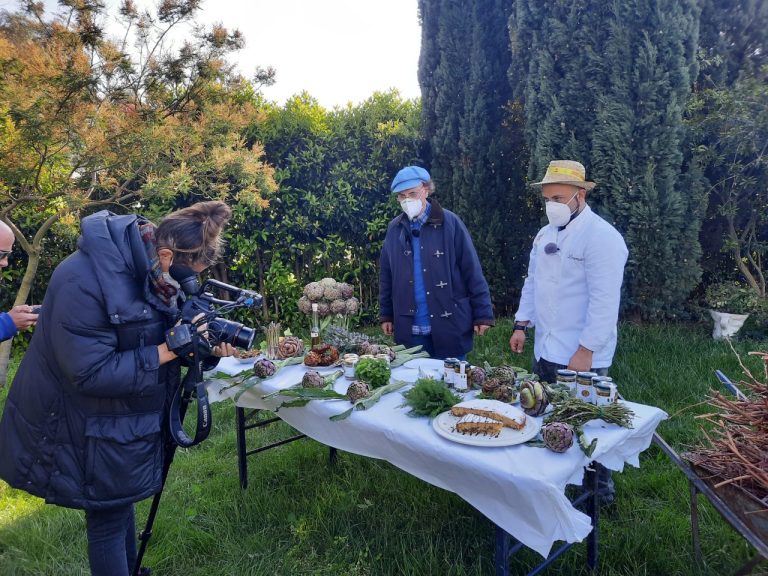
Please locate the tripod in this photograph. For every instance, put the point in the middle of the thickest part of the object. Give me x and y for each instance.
(192, 383)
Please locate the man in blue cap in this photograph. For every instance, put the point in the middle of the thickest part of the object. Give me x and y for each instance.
(431, 290)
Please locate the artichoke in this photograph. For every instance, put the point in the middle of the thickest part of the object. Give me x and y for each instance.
(312, 358)
(325, 282)
(347, 291)
(490, 384)
(557, 436)
(505, 393)
(322, 355)
(358, 390)
(366, 347)
(477, 377)
(533, 397)
(312, 379)
(305, 305)
(323, 309)
(375, 349)
(331, 293)
(314, 291)
(338, 306)
(353, 305)
(289, 347)
(264, 368)
(506, 374)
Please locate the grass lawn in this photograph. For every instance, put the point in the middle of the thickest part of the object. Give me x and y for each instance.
(301, 515)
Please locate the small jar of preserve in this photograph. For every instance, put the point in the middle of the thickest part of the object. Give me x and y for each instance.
(584, 389)
(567, 378)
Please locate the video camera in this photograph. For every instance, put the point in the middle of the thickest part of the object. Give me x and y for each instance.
(201, 301)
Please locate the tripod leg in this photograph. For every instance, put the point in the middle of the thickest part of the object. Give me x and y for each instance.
(146, 534)
(168, 453)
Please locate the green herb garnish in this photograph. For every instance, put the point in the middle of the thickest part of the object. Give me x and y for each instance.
(429, 397)
(373, 371)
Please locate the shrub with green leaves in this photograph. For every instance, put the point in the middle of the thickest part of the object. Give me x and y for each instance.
(733, 297)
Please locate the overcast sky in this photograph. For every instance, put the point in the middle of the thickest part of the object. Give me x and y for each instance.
(338, 50)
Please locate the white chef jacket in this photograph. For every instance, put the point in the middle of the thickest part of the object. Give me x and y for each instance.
(572, 296)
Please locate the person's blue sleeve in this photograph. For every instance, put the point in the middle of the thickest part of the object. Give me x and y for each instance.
(7, 327)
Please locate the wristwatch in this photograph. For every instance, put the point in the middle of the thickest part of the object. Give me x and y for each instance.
(523, 327)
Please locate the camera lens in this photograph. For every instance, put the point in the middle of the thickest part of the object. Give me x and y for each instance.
(244, 337)
(234, 333)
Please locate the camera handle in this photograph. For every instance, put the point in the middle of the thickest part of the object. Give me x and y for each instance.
(193, 381)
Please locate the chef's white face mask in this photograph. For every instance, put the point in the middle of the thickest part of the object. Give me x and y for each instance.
(559, 214)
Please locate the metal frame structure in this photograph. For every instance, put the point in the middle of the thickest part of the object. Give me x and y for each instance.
(698, 486)
(247, 421)
(506, 546)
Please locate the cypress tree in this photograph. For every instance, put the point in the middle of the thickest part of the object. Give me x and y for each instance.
(474, 133)
(443, 68)
(489, 173)
(733, 40)
(607, 85)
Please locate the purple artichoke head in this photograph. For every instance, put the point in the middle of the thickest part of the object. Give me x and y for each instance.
(353, 305)
(477, 377)
(312, 379)
(305, 305)
(331, 293)
(557, 436)
(358, 390)
(314, 291)
(264, 368)
(347, 290)
(505, 393)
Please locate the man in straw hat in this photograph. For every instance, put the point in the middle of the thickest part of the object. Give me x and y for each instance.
(572, 291)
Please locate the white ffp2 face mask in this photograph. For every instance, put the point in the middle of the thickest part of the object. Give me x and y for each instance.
(412, 207)
(559, 214)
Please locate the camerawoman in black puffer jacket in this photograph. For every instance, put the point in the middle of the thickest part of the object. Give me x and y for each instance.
(85, 418)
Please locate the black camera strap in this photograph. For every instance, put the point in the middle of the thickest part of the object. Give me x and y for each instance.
(192, 384)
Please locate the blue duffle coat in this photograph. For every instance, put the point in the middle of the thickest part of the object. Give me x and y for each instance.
(457, 293)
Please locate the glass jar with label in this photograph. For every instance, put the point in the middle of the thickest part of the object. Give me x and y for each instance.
(461, 376)
(584, 389)
(449, 370)
(567, 378)
(605, 390)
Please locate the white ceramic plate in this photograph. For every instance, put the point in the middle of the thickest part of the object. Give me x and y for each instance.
(445, 424)
(425, 364)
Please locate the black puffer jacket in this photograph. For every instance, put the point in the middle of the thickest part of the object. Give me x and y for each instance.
(82, 423)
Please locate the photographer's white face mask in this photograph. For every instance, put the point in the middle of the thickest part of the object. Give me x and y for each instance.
(559, 214)
(412, 207)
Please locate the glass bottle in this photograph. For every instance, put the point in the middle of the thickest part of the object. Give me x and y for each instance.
(314, 328)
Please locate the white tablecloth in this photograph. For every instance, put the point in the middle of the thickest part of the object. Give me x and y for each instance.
(520, 488)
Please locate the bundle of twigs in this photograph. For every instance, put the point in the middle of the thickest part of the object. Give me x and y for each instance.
(737, 445)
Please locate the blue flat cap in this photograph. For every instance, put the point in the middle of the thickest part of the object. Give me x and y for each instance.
(409, 177)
